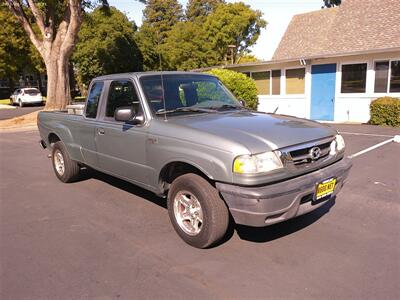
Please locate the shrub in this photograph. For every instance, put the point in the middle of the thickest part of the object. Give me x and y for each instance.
(239, 84)
(385, 111)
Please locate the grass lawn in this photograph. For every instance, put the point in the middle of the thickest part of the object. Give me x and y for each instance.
(4, 101)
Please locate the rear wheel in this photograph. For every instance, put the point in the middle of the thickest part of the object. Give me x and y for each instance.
(198, 214)
(66, 169)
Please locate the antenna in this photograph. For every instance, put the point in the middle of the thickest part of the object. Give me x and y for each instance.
(162, 77)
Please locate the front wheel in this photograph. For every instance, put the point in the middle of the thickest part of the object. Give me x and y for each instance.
(66, 169)
(20, 103)
(197, 212)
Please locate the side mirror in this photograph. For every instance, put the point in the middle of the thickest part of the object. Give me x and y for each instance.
(127, 114)
(242, 102)
(124, 114)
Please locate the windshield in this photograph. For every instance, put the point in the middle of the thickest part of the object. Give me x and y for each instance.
(183, 93)
(31, 91)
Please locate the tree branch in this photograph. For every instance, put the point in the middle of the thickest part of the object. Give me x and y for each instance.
(38, 16)
(75, 20)
(18, 12)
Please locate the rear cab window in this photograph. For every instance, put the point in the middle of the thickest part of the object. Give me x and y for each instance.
(93, 99)
(122, 93)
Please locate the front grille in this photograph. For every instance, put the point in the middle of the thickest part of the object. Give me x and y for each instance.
(302, 156)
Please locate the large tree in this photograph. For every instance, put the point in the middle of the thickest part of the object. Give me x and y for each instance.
(106, 45)
(233, 25)
(187, 47)
(159, 16)
(197, 10)
(58, 23)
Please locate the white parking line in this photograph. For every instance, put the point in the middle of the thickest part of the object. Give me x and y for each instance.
(395, 139)
(366, 134)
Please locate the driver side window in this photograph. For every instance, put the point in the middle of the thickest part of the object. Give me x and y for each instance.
(121, 93)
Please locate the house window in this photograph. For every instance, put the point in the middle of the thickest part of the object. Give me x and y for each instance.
(295, 81)
(395, 76)
(262, 80)
(381, 76)
(276, 82)
(354, 78)
(384, 70)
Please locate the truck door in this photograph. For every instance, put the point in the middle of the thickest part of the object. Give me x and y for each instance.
(121, 147)
(85, 132)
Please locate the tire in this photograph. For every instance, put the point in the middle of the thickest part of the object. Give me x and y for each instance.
(66, 169)
(192, 188)
(20, 103)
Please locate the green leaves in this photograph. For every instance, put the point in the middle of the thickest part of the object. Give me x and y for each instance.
(16, 52)
(385, 111)
(106, 45)
(240, 85)
(200, 40)
(198, 10)
(234, 24)
(159, 17)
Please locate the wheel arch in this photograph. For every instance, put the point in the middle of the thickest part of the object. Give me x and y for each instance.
(173, 169)
(53, 138)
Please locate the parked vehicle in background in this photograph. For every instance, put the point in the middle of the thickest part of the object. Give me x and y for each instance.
(26, 96)
(185, 137)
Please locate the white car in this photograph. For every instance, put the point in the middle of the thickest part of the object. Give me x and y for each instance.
(26, 96)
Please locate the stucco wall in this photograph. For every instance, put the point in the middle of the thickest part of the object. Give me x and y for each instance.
(348, 107)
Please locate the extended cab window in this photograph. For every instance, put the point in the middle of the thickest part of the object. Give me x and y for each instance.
(93, 99)
(121, 93)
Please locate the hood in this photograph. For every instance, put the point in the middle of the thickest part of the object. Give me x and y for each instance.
(258, 132)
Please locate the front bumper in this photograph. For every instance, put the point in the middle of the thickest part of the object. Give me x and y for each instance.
(274, 203)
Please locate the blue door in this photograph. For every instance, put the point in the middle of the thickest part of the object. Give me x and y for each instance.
(323, 81)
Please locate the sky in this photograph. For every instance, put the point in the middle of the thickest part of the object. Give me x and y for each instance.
(277, 13)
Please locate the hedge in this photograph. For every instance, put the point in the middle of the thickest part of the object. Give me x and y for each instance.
(385, 111)
(240, 85)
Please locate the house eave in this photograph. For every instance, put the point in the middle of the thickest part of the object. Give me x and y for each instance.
(310, 57)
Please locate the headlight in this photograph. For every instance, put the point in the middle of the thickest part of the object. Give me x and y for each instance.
(259, 163)
(339, 143)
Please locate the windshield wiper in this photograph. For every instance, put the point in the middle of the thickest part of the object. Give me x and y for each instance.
(185, 109)
(227, 106)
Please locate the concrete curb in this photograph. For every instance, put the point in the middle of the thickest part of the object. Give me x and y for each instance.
(19, 129)
(6, 106)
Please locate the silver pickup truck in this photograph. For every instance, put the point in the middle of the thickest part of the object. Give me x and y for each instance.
(185, 137)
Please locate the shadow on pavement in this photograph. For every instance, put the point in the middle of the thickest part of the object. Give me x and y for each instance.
(252, 234)
(276, 231)
(125, 186)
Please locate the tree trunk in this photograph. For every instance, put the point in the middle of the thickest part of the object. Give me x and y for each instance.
(58, 88)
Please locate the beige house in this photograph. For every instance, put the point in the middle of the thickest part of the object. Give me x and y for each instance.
(331, 63)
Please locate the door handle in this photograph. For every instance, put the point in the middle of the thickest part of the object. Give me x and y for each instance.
(100, 131)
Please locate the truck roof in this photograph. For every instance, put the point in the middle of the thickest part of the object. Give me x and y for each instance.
(140, 74)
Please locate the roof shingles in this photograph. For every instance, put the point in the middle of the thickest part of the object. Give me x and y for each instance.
(355, 26)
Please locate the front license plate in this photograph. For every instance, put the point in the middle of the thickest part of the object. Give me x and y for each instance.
(325, 189)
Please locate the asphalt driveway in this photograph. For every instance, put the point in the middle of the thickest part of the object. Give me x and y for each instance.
(18, 111)
(106, 239)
